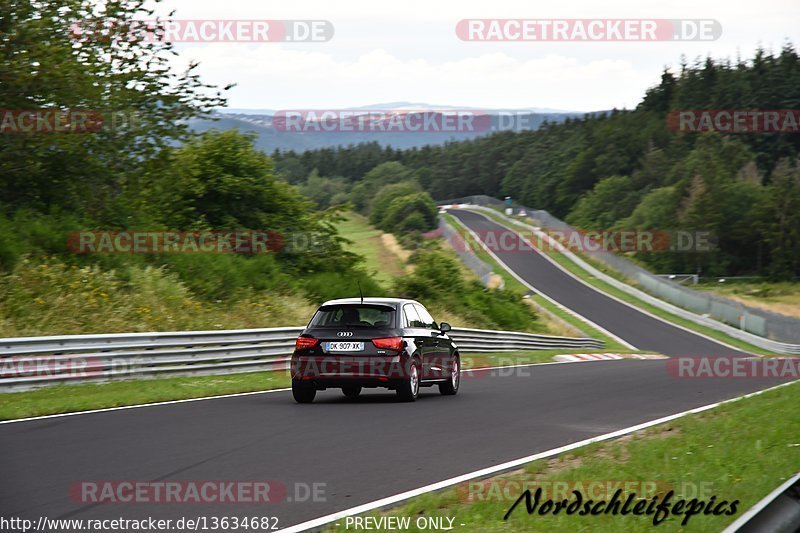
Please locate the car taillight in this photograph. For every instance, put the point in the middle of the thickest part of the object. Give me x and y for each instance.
(305, 342)
(389, 343)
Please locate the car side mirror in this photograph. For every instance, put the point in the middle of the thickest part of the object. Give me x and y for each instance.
(444, 327)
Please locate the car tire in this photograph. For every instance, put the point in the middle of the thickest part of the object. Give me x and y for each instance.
(303, 392)
(351, 391)
(408, 390)
(450, 388)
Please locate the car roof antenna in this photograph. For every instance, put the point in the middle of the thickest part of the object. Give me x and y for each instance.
(359, 290)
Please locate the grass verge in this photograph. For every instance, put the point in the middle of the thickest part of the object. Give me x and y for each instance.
(366, 241)
(778, 297)
(740, 450)
(87, 396)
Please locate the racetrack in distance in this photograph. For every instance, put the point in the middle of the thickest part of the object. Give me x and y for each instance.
(639, 329)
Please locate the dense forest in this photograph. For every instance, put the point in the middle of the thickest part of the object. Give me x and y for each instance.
(626, 169)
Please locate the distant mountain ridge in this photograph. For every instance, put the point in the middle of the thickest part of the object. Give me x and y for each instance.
(405, 105)
(269, 138)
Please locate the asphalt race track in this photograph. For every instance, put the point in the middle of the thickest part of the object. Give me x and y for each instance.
(365, 449)
(642, 331)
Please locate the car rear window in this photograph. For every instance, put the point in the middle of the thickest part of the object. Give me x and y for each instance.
(354, 315)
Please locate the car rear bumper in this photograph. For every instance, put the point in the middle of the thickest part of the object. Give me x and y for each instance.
(367, 371)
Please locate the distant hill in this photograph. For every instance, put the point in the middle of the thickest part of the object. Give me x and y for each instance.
(270, 138)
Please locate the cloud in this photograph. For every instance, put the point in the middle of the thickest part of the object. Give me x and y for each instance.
(409, 52)
(273, 76)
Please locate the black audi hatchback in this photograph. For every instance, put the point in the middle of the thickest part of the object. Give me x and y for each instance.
(355, 343)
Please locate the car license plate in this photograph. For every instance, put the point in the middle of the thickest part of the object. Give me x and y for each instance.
(347, 346)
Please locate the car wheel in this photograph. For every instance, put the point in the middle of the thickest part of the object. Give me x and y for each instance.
(451, 387)
(303, 392)
(409, 388)
(351, 391)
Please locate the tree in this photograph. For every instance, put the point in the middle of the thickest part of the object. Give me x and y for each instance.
(611, 199)
(375, 179)
(385, 196)
(322, 190)
(656, 210)
(402, 214)
(721, 197)
(782, 228)
(221, 181)
(127, 81)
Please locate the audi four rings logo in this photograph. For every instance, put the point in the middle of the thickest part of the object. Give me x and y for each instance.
(345, 334)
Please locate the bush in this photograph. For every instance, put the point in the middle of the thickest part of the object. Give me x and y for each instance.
(420, 207)
(330, 285)
(11, 247)
(385, 173)
(385, 196)
(51, 298)
(437, 281)
(413, 223)
(434, 275)
(226, 276)
(33, 234)
(503, 309)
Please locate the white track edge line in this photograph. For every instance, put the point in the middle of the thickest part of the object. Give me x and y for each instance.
(390, 500)
(139, 405)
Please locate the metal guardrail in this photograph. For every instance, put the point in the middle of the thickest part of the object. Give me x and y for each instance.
(652, 283)
(31, 362)
(778, 512)
(484, 340)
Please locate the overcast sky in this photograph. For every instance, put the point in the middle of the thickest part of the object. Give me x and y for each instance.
(409, 51)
